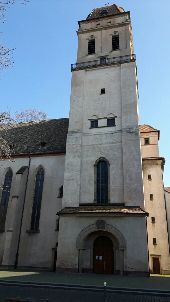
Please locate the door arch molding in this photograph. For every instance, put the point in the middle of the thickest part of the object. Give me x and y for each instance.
(81, 239)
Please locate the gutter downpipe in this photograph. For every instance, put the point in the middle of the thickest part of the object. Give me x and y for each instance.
(22, 214)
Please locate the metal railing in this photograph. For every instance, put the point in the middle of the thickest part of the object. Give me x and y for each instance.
(103, 61)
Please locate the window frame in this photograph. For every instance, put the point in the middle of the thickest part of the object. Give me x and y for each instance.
(151, 196)
(103, 91)
(5, 197)
(153, 220)
(91, 46)
(115, 44)
(37, 200)
(94, 124)
(154, 241)
(109, 120)
(146, 140)
(96, 200)
(149, 177)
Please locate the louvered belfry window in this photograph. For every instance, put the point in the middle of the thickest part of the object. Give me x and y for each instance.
(102, 182)
(5, 198)
(39, 180)
(91, 46)
(115, 42)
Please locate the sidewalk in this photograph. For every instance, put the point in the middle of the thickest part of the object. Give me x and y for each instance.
(148, 283)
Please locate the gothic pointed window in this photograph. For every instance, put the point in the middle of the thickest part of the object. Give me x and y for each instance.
(39, 180)
(102, 177)
(5, 198)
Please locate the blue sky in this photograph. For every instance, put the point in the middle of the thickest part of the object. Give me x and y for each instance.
(43, 33)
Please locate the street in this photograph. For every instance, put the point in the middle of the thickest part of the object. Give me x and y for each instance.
(29, 293)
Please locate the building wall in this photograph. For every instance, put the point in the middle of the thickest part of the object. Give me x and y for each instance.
(155, 203)
(135, 257)
(102, 30)
(32, 243)
(119, 145)
(167, 200)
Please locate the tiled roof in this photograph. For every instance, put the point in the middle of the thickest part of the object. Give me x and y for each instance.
(167, 190)
(104, 210)
(147, 129)
(105, 11)
(42, 137)
(37, 138)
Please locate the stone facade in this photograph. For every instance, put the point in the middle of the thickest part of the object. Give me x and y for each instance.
(103, 128)
(119, 145)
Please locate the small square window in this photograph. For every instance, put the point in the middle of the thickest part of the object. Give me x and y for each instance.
(154, 241)
(103, 91)
(94, 124)
(146, 141)
(149, 177)
(153, 219)
(151, 196)
(103, 60)
(111, 122)
(43, 144)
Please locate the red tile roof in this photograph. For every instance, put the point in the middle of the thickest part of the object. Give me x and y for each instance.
(167, 189)
(147, 128)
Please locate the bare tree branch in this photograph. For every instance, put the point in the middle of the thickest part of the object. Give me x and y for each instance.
(6, 53)
(8, 122)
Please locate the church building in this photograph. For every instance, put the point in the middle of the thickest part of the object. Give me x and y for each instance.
(86, 194)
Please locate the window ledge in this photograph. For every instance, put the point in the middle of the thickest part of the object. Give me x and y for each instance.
(101, 127)
(113, 50)
(33, 231)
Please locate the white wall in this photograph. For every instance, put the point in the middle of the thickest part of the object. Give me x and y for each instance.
(35, 248)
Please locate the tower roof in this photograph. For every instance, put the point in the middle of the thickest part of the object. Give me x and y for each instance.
(105, 11)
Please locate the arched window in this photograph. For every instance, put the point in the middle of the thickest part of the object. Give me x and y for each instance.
(102, 178)
(39, 180)
(5, 198)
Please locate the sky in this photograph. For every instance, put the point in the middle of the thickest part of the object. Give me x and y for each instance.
(43, 35)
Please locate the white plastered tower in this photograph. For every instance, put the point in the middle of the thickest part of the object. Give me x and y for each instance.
(103, 127)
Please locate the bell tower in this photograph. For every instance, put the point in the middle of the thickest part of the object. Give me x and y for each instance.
(103, 115)
(103, 173)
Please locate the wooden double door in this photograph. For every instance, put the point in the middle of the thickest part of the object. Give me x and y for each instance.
(103, 256)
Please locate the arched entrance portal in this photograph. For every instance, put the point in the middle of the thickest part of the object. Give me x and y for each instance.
(103, 255)
(101, 240)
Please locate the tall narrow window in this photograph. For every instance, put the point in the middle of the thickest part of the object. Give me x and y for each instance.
(102, 176)
(115, 42)
(91, 47)
(151, 196)
(5, 198)
(39, 180)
